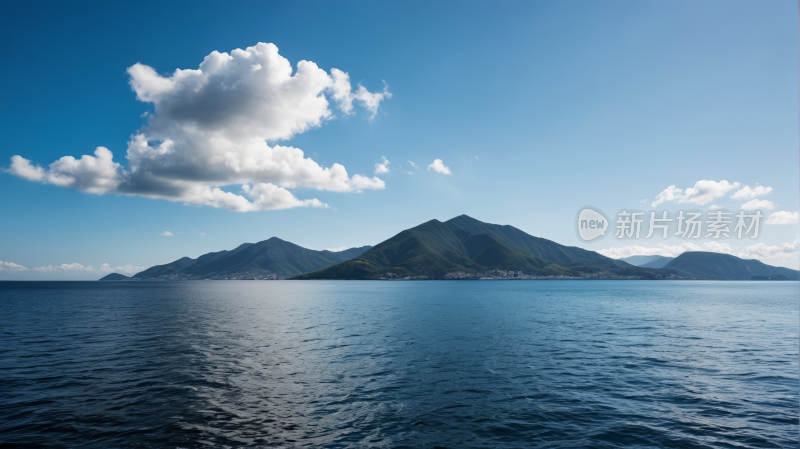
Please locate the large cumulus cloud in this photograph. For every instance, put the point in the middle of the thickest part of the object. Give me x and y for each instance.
(213, 136)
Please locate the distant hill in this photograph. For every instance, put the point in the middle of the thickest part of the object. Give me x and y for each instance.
(269, 259)
(660, 263)
(707, 265)
(114, 277)
(647, 261)
(464, 247)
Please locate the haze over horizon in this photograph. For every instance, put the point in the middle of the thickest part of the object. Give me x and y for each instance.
(340, 126)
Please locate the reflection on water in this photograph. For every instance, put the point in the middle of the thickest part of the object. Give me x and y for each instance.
(400, 364)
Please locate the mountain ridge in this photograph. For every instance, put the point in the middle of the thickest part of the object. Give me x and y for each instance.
(466, 248)
(273, 258)
(459, 248)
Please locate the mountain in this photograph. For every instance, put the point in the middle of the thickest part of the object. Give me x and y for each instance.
(572, 257)
(647, 261)
(269, 259)
(464, 247)
(114, 277)
(707, 265)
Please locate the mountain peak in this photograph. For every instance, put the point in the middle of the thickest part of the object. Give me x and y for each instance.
(461, 218)
(115, 277)
(428, 223)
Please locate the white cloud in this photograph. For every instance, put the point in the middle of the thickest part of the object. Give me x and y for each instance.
(714, 207)
(784, 252)
(341, 90)
(217, 126)
(202, 234)
(703, 192)
(23, 168)
(93, 174)
(336, 250)
(747, 193)
(476, 158)
(382, 167)
(414, 165)
(344, 97)
(783, 218)
(127, 269)
(271, 197)
(758, 204)
(66, 268)
(438, 167)
(371, 101)
(11, 266)
(78, 268)
(166, 234)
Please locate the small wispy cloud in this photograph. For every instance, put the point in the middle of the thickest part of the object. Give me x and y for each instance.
(439, 167)
(127, 269)
(12, 267)
(166, 234)
(382, 167)
(413, 165)
(65, 268)
(202, 234)
(783, 217)
(748, 193)
(79, 268)
(758, 204)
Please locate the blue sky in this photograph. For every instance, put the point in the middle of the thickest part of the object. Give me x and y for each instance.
(537, 109)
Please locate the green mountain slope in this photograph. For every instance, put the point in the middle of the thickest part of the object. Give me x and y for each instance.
(574, 258)
(273, 258)
(429, 249)
(707, 265)
(497, 256)
(465, 247)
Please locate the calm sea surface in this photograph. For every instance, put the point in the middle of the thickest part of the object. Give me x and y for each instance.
(550, 364)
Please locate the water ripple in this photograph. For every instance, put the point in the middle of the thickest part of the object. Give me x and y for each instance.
(562, 364)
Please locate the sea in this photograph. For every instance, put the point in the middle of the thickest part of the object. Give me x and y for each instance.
(400, 364)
